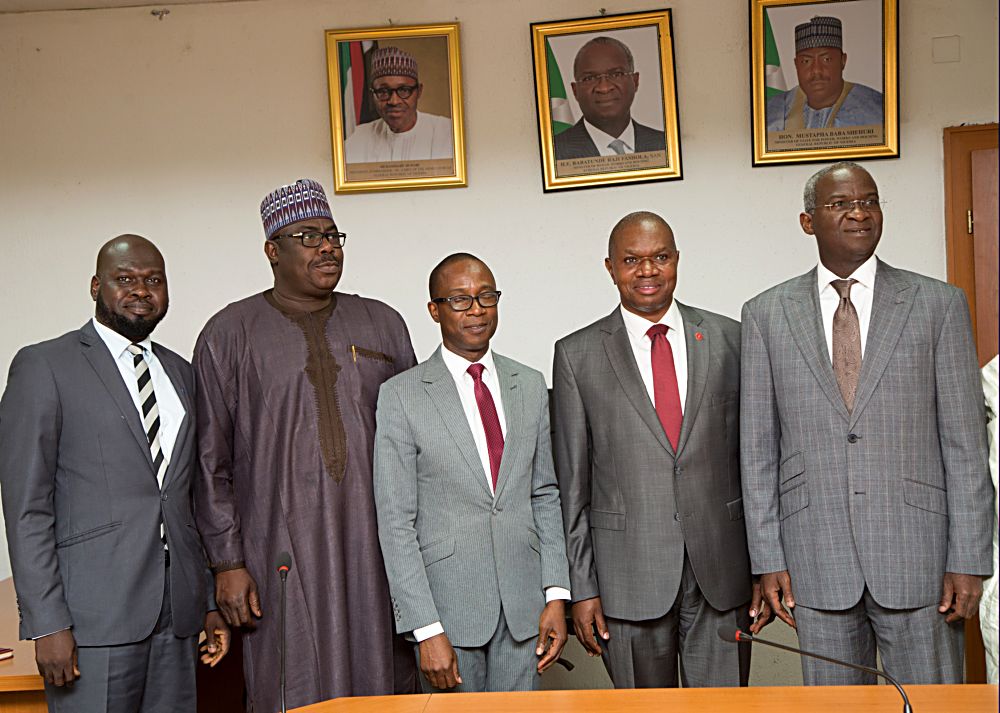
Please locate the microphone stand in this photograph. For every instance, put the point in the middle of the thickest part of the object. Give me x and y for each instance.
(283, 568)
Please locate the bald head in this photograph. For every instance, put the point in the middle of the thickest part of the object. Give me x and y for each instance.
(129, 287)
(127, 247)
(639, 219)
(434, 283)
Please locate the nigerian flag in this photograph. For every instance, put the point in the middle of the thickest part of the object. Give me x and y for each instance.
(559, 109)
(774, 79)
(353, 81)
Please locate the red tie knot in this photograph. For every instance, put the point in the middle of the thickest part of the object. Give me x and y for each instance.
(476, 371)
(657, 330)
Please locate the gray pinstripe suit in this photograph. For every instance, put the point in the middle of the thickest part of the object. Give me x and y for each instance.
(878, 503)
(453, 552)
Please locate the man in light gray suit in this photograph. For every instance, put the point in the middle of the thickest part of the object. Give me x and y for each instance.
(865, 476)
(468, 508)
(97, 445)
(647, 455)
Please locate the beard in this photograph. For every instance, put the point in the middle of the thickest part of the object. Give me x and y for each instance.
(135, 329)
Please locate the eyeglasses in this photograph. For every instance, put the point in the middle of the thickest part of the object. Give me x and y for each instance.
(404, 92)
(313, 239)
(590, 80)
(868, 205)
(463, 303)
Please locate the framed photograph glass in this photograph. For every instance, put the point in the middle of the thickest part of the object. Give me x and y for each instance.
(606, 97)
(824, 80)
(396, 108)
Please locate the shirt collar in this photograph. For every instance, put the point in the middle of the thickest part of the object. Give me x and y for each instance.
(459, 365)
(602, 139)
(638, 326)
(117, 344)
(865, 275)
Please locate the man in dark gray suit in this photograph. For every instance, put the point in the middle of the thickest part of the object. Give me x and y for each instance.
(647, 456)
(864, 455)
(97, 446)
(605, 83)
(468, 509)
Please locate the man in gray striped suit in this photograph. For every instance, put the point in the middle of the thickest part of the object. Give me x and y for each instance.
(468, 509)
(863, 450)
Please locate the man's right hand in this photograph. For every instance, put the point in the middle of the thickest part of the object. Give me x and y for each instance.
(55, 656)
(439, 663)
(586, 615)
(236, 595)
(777, 590)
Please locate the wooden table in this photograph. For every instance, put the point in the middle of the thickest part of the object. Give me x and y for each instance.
(831, 699)
(21, 688)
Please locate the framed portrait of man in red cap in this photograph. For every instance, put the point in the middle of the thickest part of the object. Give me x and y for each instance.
(396, 108)
(824, 80)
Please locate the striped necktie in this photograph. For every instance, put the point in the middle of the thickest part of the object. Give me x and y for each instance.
(150, 411)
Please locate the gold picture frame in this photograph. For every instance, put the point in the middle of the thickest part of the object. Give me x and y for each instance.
(612, 97)
(370, 152)
(858, 100)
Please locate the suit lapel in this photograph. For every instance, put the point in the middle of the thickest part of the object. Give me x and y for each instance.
(801, 304)
(892, 300)
(443, 393)
(622, 358)
(511, 398)
(184, 430)
(96, 352)
(698, 352)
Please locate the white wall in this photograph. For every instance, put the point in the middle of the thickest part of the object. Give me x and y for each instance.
(112, 121)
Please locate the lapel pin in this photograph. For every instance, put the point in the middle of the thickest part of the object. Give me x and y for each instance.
(699, 336)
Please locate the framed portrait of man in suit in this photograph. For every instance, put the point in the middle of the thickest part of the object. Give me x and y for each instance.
(396, 108)
(824, 80)
(606, 98)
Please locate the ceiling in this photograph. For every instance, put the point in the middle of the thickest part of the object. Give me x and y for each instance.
(44, 5)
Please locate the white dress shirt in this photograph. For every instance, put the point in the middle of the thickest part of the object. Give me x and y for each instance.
(458, 368)
(169, 404)
(603, 140)
(642, 348)
(861, 298)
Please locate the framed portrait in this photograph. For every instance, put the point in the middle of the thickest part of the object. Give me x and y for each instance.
(606, 98)
(824, 80)
(396, 108)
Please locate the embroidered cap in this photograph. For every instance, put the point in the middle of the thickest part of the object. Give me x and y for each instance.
(392, 62)
(819, 32)
(302, 200)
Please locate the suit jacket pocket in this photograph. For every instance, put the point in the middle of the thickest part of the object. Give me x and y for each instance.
(437, 551)
(533, 541)
(926, 497)
(88, 534)
(791, 468)
(791, 501)
(607, 520)
(735, 509)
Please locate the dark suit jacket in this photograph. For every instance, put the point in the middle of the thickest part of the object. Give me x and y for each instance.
(890, 495)
(631, 505)
(81, 499)
(575, 142)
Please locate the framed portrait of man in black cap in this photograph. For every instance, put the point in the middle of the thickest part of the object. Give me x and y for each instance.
(396, 108)
(809, 102)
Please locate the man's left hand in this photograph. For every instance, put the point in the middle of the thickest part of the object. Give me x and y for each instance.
(960, 596)
(551, 633)
(217, 638)
(760, 610)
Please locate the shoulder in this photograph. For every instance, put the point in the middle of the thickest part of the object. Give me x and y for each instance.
(865, 92)
(167, 355)
(435, 119)
(379, 313)
(647, 130)
(771, 297)
(929, 287)
(571, 134)
(526, 375)
(362, 131)
(405, 381)
(724, 324)
(50, 348)
(592, 335)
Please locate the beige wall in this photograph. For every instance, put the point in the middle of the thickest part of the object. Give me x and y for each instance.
(113, 121)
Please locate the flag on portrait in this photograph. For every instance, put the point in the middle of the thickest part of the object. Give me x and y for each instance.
(774, 79)
(559, 108)
(354, 82)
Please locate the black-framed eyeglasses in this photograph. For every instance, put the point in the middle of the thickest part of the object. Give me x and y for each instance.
(313, 239)
(869, 205)
(403, 92)
(590, 80)
(463, 303)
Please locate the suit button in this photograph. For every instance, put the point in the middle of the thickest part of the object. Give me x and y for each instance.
(163, 496)
(678, 470)
(853, 438)
(677, 516)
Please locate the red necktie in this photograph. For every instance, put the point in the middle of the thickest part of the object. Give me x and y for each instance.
(491, 423)
(666, 396)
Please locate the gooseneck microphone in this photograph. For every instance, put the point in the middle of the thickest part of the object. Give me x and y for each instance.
(283, 565)
(738, 636)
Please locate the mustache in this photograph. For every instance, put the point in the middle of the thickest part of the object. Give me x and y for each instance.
(325, 259)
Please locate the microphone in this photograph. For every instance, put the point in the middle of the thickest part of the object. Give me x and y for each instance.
(738, 636)
(283, 565)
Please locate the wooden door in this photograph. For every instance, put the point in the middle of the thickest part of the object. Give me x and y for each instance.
(984, 239)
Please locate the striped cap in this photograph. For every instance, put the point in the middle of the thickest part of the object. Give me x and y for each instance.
(392, 62)
(819, 32)
(303, 200)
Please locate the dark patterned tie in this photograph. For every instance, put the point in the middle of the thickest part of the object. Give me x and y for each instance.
(491, 422)
(150, 411)
(666, 395)
(846, 343)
